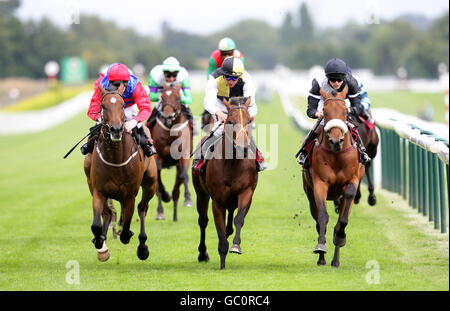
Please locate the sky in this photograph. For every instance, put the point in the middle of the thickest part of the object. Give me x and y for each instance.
(208, 16)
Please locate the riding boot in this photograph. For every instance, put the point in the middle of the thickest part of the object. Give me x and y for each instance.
(152, 119)
(260, 164)
(302, 153)
(94, 133)
(144, 141)
(363, 156)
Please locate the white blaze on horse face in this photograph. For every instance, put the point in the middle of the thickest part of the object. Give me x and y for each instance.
(113, 100)
(336, 123)
(168, 93)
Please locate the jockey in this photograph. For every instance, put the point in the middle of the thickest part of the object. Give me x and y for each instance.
(137, 106)
(231, 80)
(337, 78)
(170, 72)
(227, 48)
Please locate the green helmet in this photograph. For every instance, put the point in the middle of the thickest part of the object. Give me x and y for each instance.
(227, 44)
(171, 64)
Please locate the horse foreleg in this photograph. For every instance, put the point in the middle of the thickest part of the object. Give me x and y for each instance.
(372, 200)
(219, 219)
(185, 179)
(339, 236)
(127, 214)
(161, 193)
(202, 209)
(148, 191)
(176, 192)
(98, 203)
(320, 194)
(244, 202)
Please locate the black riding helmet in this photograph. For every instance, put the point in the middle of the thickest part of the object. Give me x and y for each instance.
(336, 68)
(232, 67)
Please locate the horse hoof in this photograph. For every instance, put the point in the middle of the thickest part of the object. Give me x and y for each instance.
(143, 252)
(203, 257)
(321, 262)
(188, 203)
(125, 239)
(103, 253)
(372, 200)
(165, 197)
(236, 249)
(335, 263)
(356, 201)
(320, 249)
(160, 216)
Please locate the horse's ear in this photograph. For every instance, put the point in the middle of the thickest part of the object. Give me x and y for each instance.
(121, 89)
(227, 103)
(343, 93)
(101, 89)
(324, 94)
(248, 102)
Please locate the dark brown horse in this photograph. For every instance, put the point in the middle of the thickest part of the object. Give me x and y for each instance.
(172, 137)
(370, 139)
(230, 180)
(116, 169)
(335, 174)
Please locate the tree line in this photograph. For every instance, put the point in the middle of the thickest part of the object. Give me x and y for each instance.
(297, 43)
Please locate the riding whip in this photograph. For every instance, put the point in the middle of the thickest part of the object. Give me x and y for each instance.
(91, 130)
(313, 130)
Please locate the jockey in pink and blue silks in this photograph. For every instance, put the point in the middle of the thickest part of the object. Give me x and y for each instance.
(137, 106)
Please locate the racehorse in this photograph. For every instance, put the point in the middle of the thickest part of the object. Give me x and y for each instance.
(228, 180)
(115, 170)
(370, 139)
(335, 173)
(172, 137)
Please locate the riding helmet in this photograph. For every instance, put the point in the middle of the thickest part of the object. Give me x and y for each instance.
(232, 67)
(118, 72)
(335, 67)
(227, 44)
(171, 64)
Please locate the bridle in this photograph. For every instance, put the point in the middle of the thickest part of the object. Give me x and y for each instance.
(106, 127)
(173, 116)
(242, 131)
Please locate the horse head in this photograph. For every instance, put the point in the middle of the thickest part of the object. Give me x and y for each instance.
(170, 103)
(112, 112)
(237, 121)
(335, 116)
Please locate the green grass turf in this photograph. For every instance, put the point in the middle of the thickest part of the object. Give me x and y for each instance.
(46, 214)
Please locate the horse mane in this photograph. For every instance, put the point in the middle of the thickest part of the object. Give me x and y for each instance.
(238, 100)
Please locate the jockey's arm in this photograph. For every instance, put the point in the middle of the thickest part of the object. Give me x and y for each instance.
(313, 100)
(354, 95)
(154, 92)
(94, 107)
(211, 100)
(250, 91)
(143, 103)
(186, 98)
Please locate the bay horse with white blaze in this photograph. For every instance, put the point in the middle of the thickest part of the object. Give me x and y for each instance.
(229, 180)
(116, 169)
(172, 136)
(335, 173)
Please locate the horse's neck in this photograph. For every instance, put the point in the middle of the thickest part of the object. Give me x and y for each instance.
(233, 161)
(116, 152)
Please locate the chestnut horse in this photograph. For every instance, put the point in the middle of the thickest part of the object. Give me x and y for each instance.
(172, 136)
(116, 169)
(335, 173)
(229, 181)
